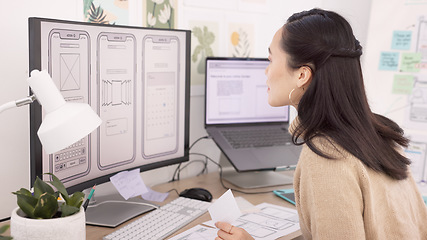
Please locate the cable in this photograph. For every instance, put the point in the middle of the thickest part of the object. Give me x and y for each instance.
(200, 138)
(221, 179)
(173, 189)
(178, 170)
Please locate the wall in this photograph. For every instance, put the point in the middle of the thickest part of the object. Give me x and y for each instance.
(14, 124)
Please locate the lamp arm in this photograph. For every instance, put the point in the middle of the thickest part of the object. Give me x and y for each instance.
(17, 103)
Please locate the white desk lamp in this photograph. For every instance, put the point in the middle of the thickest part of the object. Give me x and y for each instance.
(64, 123)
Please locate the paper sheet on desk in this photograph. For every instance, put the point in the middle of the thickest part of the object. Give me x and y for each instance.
(129, 183)
(271, 222)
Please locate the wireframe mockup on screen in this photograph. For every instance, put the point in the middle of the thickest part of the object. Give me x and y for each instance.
(136, 79)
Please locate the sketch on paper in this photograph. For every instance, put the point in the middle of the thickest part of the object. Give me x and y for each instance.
(160, 14)
(106, 11)
(241, 40)
(204, 44)
(270, 222)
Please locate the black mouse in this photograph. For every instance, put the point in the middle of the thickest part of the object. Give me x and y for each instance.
(197, 193)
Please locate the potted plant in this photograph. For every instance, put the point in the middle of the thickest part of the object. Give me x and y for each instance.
(42, 215)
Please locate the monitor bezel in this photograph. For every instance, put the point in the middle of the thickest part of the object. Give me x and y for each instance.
(36, 150)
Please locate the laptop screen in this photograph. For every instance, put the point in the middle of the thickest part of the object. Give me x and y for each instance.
(236, 92)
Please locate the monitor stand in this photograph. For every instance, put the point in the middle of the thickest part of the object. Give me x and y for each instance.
(111, 210)
(253, 179)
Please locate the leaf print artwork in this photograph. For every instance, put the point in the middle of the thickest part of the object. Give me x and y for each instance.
(160, 13)
(241, 44)
(96, 15)
(205, 39)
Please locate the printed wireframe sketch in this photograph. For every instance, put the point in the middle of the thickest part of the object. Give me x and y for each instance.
(116, 58)
(418, 100)
(161, 99)
(418, 97)
(417, 153)
(69, 64)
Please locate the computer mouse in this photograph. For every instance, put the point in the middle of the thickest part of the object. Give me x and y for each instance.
(197, 193)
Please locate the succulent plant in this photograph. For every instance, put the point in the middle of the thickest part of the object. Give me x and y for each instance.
(43, 203)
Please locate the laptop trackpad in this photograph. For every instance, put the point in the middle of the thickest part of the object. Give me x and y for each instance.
(277, 156)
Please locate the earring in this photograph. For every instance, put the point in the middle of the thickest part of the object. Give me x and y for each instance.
(290, 96)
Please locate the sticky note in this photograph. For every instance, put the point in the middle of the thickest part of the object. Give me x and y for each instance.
(401, 40)
(389, 61)
(410, 62)
(129, 183)
(403, 84)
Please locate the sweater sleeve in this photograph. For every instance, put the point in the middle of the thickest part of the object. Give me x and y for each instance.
(329, 197)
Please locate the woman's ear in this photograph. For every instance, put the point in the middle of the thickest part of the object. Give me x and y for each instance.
(305, 76)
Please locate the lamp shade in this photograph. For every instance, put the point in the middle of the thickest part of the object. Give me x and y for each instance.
(64, 123)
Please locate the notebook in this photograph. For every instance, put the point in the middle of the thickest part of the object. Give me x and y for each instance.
(236, 107)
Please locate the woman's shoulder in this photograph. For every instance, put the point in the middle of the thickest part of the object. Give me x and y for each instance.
(338, 157)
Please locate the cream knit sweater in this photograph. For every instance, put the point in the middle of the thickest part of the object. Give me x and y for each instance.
(344, 199)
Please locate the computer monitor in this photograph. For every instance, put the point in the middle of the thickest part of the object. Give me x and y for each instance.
(136, 79)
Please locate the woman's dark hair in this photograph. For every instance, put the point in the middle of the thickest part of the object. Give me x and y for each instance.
(335, 105)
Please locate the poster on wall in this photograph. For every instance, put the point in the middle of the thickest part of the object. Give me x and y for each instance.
(204, 45)
(160, 14)
(115, 12)
(205, 41)
(241, 38)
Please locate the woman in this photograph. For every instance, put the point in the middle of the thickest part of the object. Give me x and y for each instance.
(352, 181)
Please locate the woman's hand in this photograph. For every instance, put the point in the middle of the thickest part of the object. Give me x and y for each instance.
(230, 232)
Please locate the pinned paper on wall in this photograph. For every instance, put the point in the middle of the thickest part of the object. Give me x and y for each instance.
(401, 40)
(389, 61)
(410, 62)
(403, 84)
(416, 152)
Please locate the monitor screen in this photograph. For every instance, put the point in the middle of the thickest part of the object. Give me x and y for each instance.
(136, 79)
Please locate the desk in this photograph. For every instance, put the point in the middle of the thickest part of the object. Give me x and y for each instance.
(212, 183)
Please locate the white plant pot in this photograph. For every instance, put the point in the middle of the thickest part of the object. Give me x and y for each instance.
(67, 228)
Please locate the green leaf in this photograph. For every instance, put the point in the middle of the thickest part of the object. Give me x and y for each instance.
(209, 38)
(68, 210)
(86, 7)
(41, 187)
(5, 238)
(59, 186)
(27, 204)
(4, 228)
(46, 207)
(209, 52)
(198, 34)
(76, 199)
(196, 53)
(23, 191)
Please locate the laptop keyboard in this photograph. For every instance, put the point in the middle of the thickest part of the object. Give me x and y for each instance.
(257, 138)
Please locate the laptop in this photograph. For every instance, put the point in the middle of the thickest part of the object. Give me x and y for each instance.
(236, 108)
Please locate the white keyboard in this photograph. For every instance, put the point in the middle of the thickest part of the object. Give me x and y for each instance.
(163, 221)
